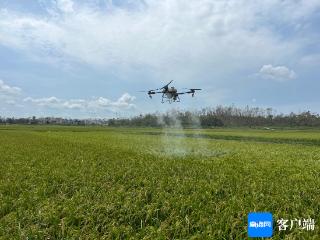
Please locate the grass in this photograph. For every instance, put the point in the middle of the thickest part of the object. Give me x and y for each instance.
(107, 183)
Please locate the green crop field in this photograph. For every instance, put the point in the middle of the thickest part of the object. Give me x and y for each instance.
(125, 183)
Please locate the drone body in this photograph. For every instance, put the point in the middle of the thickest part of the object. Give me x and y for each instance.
(170, 94)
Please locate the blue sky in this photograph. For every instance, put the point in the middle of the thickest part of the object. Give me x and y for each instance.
(90, 58)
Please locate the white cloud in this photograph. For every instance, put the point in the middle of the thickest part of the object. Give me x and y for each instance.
(6, 90)
(169, 36)
(125, 102)
(9, 95)
(65, 5)
(75, 104)
(201, 43)
(13, 96)
(44, 102)
(279, 73)
(10, 102)
(311, 60)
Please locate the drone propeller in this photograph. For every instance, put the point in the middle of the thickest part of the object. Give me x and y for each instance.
(193, 91)
(150, 92)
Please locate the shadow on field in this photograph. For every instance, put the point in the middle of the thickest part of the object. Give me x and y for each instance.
(308, 142)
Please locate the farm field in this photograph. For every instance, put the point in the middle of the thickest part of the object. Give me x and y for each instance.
(61, 182)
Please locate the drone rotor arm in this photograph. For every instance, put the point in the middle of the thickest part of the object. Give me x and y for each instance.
(166, 86)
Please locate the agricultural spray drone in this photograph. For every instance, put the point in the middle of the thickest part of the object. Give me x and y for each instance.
(170, 94)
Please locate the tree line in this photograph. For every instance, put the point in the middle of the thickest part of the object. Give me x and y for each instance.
(52, 121)
(219, 116)
(222, 116)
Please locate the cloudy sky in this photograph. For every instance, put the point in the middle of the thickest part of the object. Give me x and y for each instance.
(90, 58)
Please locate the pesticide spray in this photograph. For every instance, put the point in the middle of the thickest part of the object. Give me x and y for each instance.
(177, 141)
(173, 141)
